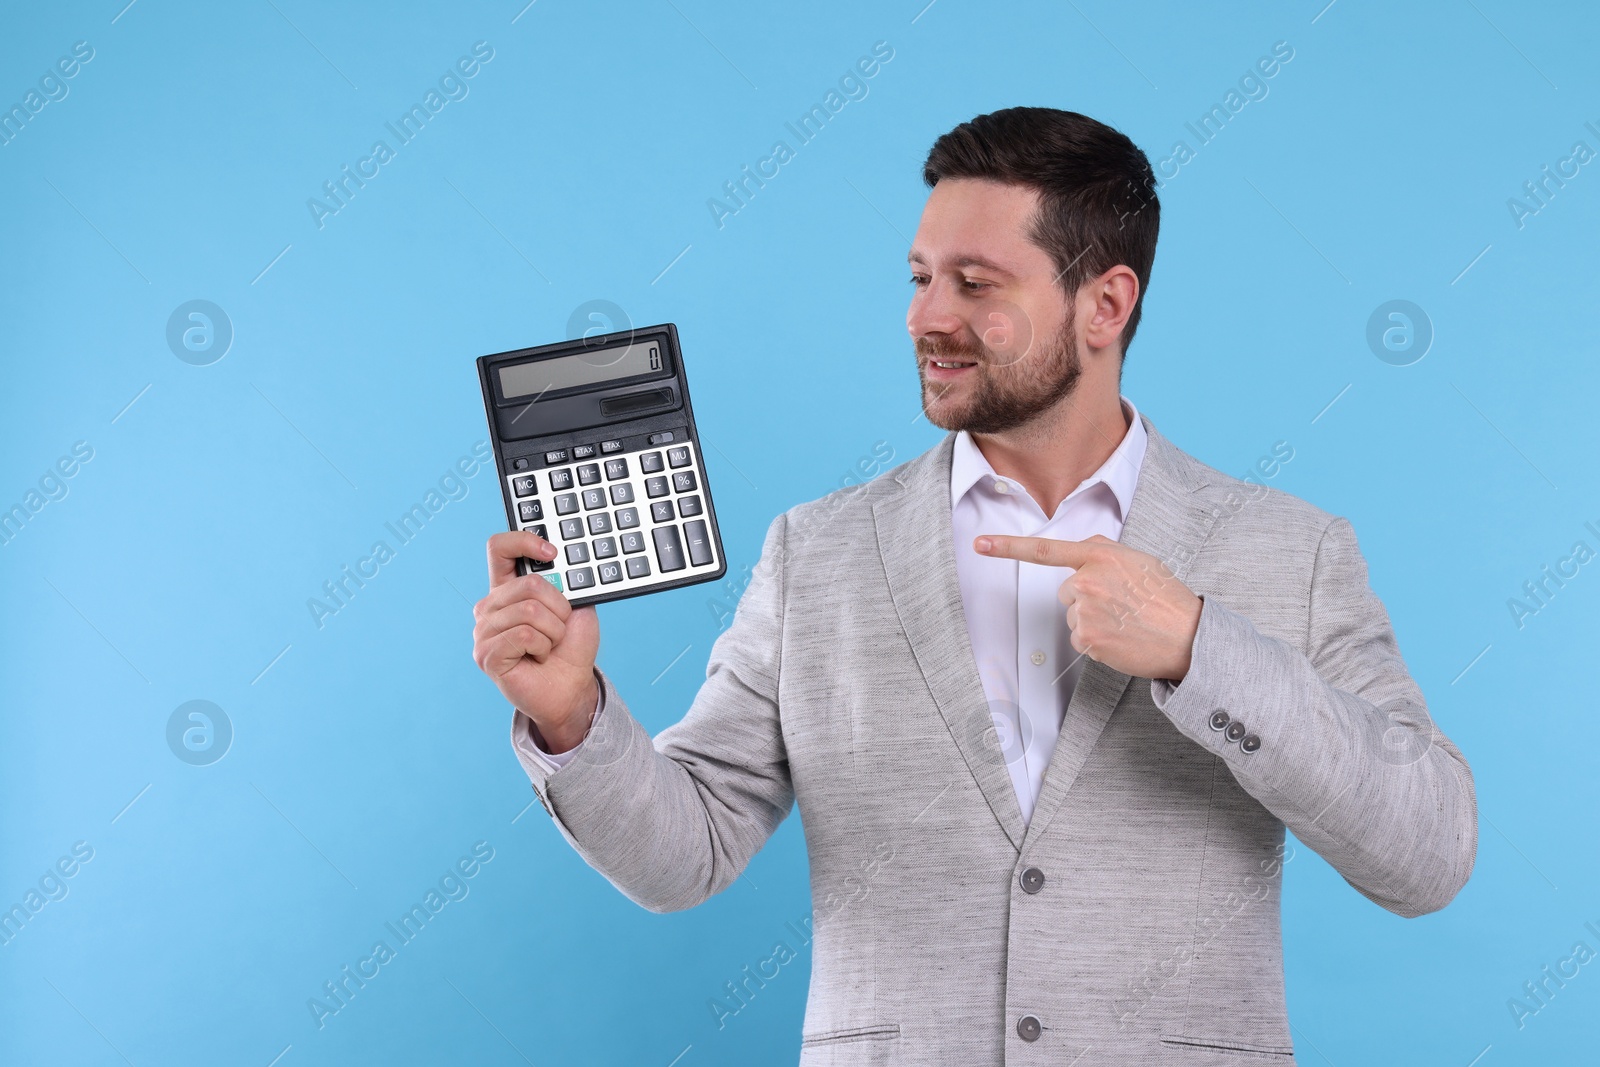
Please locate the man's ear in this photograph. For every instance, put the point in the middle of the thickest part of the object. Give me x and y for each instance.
(1104, 305)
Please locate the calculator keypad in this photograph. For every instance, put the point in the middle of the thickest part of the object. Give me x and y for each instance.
(605, 536)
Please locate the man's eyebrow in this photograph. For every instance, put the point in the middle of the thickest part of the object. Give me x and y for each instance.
(964, 261)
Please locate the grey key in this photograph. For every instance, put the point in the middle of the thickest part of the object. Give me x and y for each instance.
(594, 498)
(539, 564)
(669, 549)
(566, 503)
(571, 529)
(599, 523)
(678, 457)
(608, 447)
(616, 468)
(661, 511)
(582, 451)
(627, 518)
(633, 541)
(650, 462)
(561, 479)
(622, 493)
(699, 539)
(638, 566)
(523, 486)
(610, 572)
(530, 511)
(688, 506)
(578, 552)
(683, 482)
(654, 487)
(581, 578)
(588, 473)
(558, 456)
(605, 547)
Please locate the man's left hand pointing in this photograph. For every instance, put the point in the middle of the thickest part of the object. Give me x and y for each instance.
(1124, 607)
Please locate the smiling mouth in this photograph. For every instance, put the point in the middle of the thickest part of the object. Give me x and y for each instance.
(951, 364)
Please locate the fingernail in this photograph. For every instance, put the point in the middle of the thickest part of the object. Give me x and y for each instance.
(548, 549)
(983, 544)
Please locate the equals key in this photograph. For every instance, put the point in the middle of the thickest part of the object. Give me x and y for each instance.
(699, 542)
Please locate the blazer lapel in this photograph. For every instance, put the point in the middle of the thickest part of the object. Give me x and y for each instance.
(914, 538)
(1166, 520)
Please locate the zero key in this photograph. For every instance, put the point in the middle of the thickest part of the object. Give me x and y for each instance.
(669, 549)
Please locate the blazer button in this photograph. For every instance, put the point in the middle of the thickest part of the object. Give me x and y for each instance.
(1250, 742)
(1032, 880)
(1235, 730)
(1028, 1028)
(1219, 719)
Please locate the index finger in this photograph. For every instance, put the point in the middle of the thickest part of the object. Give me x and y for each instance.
(506, 548)
(1044, 551)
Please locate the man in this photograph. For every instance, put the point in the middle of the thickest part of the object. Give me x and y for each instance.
(1052, 690)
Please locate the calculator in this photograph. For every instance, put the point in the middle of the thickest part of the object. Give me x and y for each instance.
(597, 450)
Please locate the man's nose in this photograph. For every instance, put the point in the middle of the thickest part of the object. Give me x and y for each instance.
(932, 311)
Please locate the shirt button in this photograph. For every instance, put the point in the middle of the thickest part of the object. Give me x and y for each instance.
(1037, 657)
(1001, 487)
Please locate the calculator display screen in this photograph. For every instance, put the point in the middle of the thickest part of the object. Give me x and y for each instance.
(588, 368)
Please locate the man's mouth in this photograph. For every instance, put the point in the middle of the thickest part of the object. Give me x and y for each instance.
(951, 364)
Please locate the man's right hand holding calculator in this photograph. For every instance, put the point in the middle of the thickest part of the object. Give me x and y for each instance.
(535, 646)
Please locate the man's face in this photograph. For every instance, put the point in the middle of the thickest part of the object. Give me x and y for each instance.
(993, 330)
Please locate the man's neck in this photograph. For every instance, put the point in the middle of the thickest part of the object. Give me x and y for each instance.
(1052, 455)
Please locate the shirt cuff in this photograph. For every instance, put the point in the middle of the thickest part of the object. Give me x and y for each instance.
(530, 742)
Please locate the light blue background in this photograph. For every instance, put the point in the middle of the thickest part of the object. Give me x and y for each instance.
(370, 754)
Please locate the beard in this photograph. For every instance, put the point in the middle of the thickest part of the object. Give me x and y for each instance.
(1003, 393)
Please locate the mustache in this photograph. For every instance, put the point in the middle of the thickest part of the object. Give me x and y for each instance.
(948, 347)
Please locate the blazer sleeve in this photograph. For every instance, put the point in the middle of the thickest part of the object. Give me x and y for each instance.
(1348, 756)
(673, 821)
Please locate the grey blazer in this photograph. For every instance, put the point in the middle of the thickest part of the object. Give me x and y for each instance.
(1135, 920)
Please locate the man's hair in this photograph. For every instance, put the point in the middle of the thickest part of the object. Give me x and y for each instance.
(1098, 205)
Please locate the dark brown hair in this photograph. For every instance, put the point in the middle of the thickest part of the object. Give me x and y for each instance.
(1098, 205)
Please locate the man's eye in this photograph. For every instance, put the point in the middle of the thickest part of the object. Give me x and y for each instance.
(972, 287)
(918, 279)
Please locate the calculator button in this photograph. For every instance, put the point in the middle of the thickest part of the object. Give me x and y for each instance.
(627, 518)
(537, 531)
(616, 468)
(661, 511)
(633, 541)
(578, 553)
(594, 498)
(605, 547)
(699, 542)
(588, 473)
(661, 438)
(650, 462)
(530, 511)
(599, 523)
(571, 529)
(638, 566)
(622, 493)
(678, 457)
(538, 564)
(581, 578)
(557, 456)
(582, 451)
(524, 486)
(688, 505)
(610, 572)
(608, 447)
(561, 479)
(669, 549)
(683, 482)
(566, 503)
(655, 487)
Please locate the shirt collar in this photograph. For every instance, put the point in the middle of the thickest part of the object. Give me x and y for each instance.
(1119, 473)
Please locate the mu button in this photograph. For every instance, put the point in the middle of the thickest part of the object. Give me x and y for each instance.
(1028, 1028)
(1032, 880)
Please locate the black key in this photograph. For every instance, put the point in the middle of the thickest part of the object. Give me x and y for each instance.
(537, 530)
(633, 541)
(610, 572)
(599, 523)
(539, 564)
(558, 456)
(655, 487)
(582, 451)
(627, 518)
(571, 529)
(566, 503)
(669, 549)
(661, 511)
(688, 505)
(683, 482)
(678, 457)
(588, 473)
(616, 468)
(561, 479)
(605, 547)
(581, 578)
(638, 566)
(650, 462)
(622, 493)
(578, 552)
(524, 486)
(594, 498)
(608, 447)
(661, 438)
(530, 511)
(699, 542)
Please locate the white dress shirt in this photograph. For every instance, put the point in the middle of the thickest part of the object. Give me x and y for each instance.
(1016, 623)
